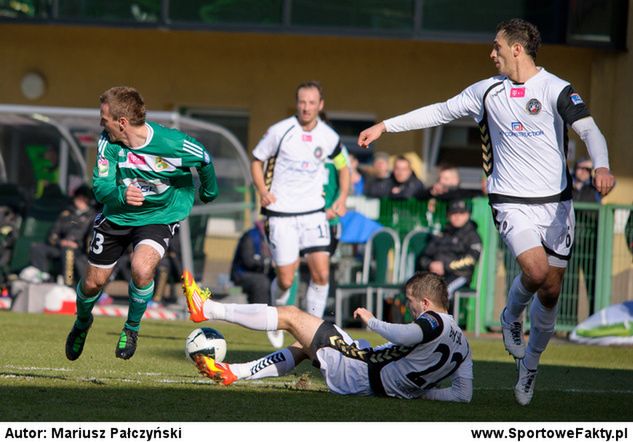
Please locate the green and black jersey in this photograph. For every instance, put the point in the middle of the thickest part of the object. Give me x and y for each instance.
(161, 169)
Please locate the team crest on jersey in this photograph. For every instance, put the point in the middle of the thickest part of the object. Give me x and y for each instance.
(575, 99)
(318, 152)
(103, 166)
(160, 164)
(533, 106)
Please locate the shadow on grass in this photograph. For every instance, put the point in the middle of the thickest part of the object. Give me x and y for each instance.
(562, 394)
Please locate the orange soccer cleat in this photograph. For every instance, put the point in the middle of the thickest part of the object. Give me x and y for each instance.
(195, 297)
(217, 371)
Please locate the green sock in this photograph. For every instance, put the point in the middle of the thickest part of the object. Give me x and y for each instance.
(84, 306)
(138, 303)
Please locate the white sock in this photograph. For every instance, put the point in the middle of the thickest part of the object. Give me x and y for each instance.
(316, 298)
(280, 297)
(542, 325)
(518, 299)
(253, 316)
(214, 310)
(275, 364)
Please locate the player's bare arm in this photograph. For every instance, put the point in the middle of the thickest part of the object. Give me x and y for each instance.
(134, 196)
(371, 134)
(257, 171)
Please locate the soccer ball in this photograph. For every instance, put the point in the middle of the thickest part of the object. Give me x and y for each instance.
(207, 341)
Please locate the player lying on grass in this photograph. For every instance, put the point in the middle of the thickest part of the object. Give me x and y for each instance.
(418, 357)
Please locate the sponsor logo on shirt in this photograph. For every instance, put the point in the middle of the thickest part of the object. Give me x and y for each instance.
(575, 98)
(103, 166)
(517, 129)
(431, 320)
(533, 106)
(137, 160)
(517, 92)
(306, 137)
(517, 125)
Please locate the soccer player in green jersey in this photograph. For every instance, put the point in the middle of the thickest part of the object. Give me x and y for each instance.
(143, 179)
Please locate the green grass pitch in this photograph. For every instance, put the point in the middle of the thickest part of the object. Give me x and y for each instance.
(37, 383)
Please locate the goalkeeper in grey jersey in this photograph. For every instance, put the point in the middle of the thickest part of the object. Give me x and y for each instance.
(143, 179)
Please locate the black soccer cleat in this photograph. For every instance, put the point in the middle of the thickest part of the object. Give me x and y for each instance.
(76, 340)
(126, 346)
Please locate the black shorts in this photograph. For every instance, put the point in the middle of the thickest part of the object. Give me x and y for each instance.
(110, 241)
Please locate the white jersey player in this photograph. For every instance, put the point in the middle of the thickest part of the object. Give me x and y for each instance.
(418, 358)
(523, 115)
(290, 187)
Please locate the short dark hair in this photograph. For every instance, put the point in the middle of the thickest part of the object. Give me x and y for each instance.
(125, 102)
(517, 30)
(429, 285)
(310, 84)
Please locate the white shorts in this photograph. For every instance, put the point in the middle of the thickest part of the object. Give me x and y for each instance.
(292, 236)
(525, 226)
(342, 374)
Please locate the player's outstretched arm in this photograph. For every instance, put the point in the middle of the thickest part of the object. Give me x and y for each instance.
(371, 134)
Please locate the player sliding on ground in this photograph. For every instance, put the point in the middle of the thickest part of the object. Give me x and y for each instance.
(418, 357)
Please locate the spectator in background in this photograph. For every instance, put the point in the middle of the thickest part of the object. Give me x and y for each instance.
(448, 185)
(357, 180)
(67, 241)
(378, 173)
(454, 253)
(585, 235)
(582, 187)
(252, 267)
(402, 184)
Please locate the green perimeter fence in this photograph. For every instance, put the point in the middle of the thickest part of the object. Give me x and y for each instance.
(600, 272)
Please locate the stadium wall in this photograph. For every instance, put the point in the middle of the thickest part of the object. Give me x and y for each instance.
(257, 73)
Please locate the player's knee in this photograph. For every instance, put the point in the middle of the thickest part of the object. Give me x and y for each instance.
(285, 281)
(91, 286)
(536, 274)
(142, 277)
(321, 278)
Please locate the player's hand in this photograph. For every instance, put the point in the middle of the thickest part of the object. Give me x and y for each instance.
(267, 199)
(363, 314)
(339, 207)
(603, 180)
(371, 134)
(134, 196)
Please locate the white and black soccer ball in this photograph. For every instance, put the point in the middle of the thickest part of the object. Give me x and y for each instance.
(207, 341)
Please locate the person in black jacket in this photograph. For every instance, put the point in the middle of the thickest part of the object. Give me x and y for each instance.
(67, 240)
(453, 253)
(401, 185)
(252, 268)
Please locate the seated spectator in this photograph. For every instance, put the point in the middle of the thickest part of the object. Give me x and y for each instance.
(402, 184)
(582, 186)
(252, 268)
(454, 252)
(67, 241)
(448, 186)
(378, 173)
(9, 226)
